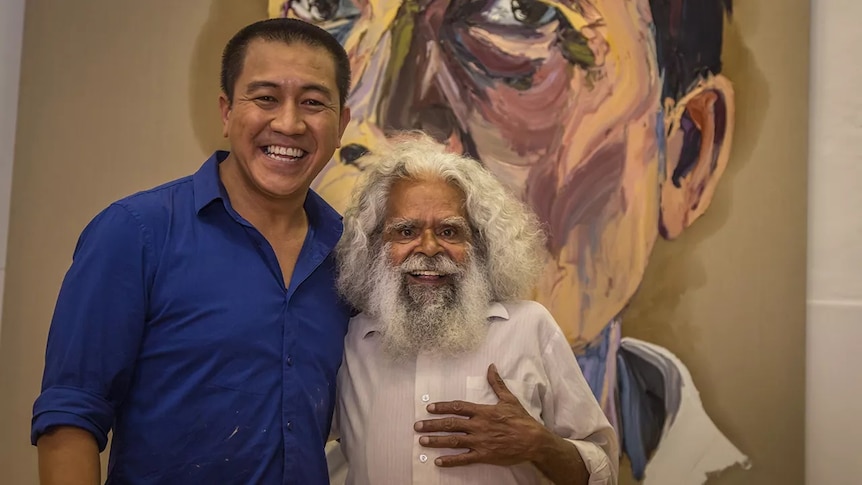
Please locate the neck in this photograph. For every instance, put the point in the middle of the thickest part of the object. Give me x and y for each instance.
(268, 214)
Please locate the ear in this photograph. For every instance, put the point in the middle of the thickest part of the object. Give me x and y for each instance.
(224, 107)
(343, 121)
(699, 131)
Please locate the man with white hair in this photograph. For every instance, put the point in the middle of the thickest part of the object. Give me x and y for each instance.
(435, 254)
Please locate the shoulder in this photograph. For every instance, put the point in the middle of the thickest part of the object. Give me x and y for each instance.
(528, 311)
(533, 316)
(158, 202)
(136, 219)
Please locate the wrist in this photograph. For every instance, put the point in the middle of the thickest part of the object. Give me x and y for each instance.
(547, 446)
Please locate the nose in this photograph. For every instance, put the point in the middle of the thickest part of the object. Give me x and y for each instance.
(429, 245)
(352, 152)
(288, 121)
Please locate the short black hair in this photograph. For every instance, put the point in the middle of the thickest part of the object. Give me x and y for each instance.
(688, 35)
(288, 31)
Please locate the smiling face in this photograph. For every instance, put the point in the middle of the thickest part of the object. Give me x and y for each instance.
(428, 289)
(284, 122)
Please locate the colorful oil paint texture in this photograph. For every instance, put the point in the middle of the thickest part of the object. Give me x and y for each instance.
(611, 118)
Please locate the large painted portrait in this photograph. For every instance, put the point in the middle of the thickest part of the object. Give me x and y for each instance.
(611, 118)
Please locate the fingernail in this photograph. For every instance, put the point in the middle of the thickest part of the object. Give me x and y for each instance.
(431, 408)
(438, 462)
(417, 426)
(424, 440)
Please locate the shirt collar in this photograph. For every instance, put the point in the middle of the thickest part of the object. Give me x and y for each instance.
(325, 221)
(207, 184)
(208, 187)
(496, 311)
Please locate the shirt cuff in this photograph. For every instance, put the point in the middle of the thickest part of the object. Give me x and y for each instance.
(68, 406)
(597, 462)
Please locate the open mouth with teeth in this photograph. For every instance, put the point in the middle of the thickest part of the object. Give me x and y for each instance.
(428, 277)
(283, 154)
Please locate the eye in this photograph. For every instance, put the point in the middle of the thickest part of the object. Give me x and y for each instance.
(449, 233)
(266, 100)
(406, 232)
(508, 40)
(336, 16)
(532, 12)
(523, 13)
(315, 10)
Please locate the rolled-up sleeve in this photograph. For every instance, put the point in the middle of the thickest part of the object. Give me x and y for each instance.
(599, 466)
(572, 412)
(97, 326)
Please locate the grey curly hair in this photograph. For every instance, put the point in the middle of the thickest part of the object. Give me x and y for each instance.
(507, 235)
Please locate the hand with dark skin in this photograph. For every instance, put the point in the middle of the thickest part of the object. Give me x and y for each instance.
(501, 434)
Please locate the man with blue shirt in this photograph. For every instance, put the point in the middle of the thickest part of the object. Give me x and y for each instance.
(199, 320)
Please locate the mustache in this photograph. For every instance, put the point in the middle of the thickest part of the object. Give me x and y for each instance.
(439, 263)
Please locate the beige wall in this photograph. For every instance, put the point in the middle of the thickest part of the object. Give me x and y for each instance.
(109, 92)
(116, 98)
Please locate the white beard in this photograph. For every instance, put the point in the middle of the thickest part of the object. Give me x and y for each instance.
(447, 319)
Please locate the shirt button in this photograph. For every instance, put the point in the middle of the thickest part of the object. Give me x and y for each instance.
(426, 398)
(289, 360)
(423, 458)
(289, 426)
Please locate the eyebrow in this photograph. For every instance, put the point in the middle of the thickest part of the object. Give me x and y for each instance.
(255, 85)
(400, 224)
(263, 84)
(455, 221)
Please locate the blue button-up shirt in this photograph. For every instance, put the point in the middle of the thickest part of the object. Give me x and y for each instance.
(175, 328)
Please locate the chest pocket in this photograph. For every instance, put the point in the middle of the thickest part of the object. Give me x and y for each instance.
(479, 391)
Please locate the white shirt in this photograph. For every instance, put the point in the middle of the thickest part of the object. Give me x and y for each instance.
(379, 401)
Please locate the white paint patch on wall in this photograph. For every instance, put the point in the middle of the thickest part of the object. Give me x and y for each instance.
(11, 37)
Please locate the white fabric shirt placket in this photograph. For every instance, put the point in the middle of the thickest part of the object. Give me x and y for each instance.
(427, 389)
